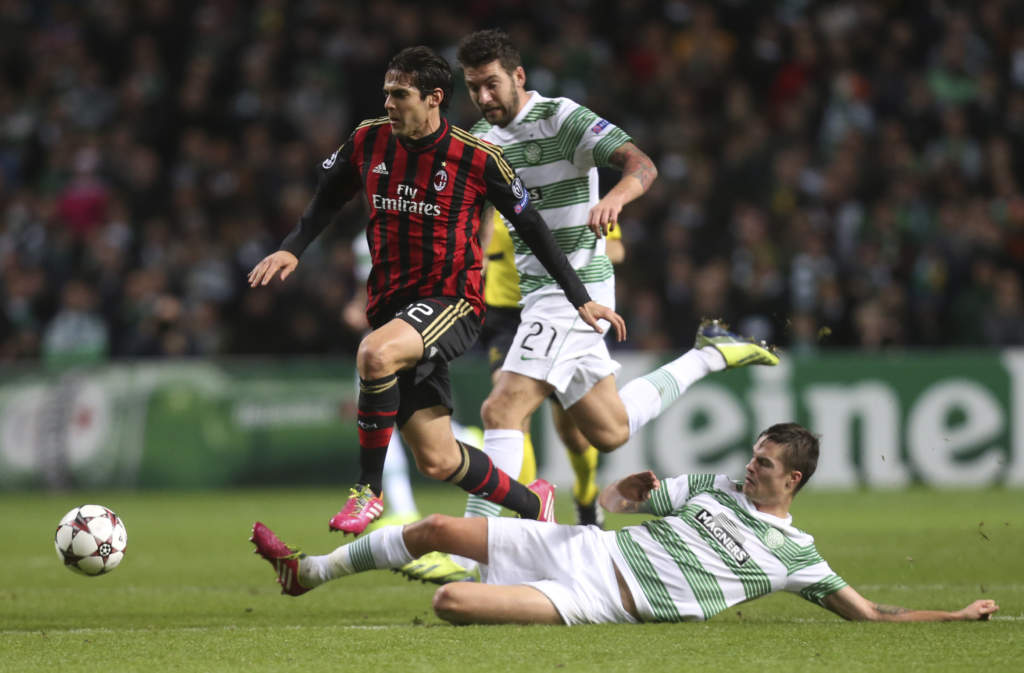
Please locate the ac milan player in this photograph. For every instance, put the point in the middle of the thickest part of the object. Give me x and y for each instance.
(426, 183)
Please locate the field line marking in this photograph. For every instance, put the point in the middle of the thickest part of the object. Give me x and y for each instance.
(199, 629)
(349, 627)
(989, 588)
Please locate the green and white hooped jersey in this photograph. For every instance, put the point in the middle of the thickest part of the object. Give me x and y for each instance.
(556, 146)
(713, 549)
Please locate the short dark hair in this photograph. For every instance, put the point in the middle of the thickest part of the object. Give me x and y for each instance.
(426, 70)
(484, 46)
(800, 448)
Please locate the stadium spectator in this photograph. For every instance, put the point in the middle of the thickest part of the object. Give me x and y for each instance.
(714, 543)
(893, 131)
(76, 334)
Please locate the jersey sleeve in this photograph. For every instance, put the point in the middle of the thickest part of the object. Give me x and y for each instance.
(598, 138)
(339, 182)
(506, 191)
(670, 496)
(675, 491)
(814, 582)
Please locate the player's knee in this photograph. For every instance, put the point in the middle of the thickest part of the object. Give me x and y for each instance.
(373, 359)
(433, 469)
(609, 432)
(434, 526)
(607, 440)
(427, 533)
(436, 464)
(429, 530)
(448, 604)
(495, 413)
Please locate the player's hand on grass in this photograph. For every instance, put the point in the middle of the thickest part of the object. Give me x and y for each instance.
(281, 261)
(979, 610)
(591, 312)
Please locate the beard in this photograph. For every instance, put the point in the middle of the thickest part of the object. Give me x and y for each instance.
(506, 112)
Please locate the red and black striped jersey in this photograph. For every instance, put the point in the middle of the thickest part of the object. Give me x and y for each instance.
(426, 198)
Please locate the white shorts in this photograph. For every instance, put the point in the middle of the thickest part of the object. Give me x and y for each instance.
(568, 564)
(553, 344)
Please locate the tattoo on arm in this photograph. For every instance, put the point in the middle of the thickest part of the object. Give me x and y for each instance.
(890, 609)
(632, 161)
(632, 507)
(612, 500)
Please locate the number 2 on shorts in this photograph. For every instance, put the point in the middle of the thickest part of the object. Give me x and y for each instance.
(536, 329)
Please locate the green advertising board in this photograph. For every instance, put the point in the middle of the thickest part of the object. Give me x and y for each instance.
(949, 419)
(941, 418)
(180, 425)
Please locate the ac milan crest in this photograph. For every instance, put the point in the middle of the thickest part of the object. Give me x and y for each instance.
(440, 180)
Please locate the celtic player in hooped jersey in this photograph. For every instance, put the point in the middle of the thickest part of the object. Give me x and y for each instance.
(715, 543)
(556, 146)
(713, 549)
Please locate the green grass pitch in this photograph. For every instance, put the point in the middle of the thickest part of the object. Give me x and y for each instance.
(190, 596)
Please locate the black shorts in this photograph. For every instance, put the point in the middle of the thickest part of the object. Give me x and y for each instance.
(449, 327)
(498, 332)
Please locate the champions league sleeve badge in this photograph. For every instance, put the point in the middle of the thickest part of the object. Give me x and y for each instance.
(520, 193)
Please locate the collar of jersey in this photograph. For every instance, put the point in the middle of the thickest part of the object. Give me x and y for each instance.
(772, 520)
(426, 142)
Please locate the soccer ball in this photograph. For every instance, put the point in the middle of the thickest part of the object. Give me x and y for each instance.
(90, 539)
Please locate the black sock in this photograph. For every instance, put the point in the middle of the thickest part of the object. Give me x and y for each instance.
(378, 406)
(478, 475)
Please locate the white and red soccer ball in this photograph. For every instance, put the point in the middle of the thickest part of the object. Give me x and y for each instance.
(91, 540)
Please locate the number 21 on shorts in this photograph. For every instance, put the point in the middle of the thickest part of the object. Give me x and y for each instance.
(538, 340)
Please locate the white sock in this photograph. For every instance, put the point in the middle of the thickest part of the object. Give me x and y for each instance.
(647, 396)
(395, 483)
(505, 449)
(382, 548)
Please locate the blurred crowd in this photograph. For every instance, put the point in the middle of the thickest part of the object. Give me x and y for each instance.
(832, 174)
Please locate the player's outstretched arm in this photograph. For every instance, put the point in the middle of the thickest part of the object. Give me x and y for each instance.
(591, 312)
(629, 495)
(282, 262)
(849, 604)
(638, 173)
